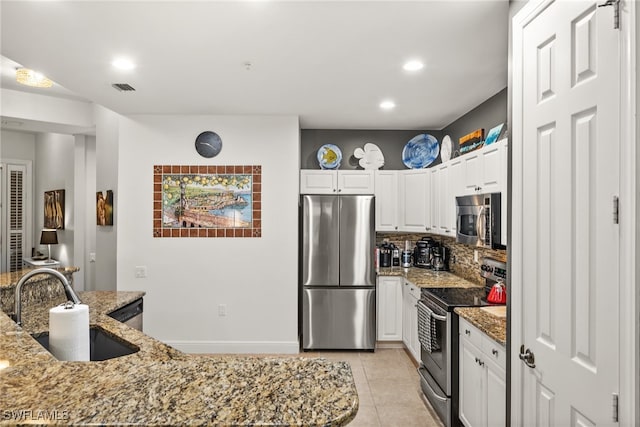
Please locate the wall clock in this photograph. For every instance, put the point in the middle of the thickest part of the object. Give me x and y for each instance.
(208, 144)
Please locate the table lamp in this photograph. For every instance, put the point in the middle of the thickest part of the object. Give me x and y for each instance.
(49, 237)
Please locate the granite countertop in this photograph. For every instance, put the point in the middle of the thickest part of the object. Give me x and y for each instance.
(426, 278)
(160, 385)
(9, 280)
(491, 320)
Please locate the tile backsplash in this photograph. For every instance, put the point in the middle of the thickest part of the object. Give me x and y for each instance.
(461, 260)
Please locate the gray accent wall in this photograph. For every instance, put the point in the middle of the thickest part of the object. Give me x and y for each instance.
(490, 113)
(390, 142)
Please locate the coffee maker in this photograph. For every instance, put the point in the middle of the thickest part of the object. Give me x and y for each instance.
(440, 258)
(423, 252)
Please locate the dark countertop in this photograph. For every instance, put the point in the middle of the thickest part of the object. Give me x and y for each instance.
(160, 385)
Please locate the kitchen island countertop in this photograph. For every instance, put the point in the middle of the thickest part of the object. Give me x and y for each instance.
(160, 385)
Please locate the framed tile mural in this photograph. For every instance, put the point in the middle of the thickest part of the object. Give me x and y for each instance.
(207, 201)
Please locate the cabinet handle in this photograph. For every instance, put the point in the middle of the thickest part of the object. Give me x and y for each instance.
(334, 190)
(396, 227)
(477, 360)
(468, 332)
(494, 352)
(447, 231)
(480, 362)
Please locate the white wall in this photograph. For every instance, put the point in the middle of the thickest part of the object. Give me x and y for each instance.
(106, 155)
(189, 277)
(54, 170)
(18, 145)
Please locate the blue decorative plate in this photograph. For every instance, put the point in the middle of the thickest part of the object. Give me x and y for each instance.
(420, 151)
(329, 156)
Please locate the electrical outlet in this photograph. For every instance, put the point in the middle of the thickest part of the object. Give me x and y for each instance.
(141, 271)
(92, 257)
(475, 255)
(222, 310)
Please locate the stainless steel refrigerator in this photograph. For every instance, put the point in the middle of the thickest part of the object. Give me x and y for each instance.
(338, 283)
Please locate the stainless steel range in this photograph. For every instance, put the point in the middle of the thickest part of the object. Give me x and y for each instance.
(438, 333)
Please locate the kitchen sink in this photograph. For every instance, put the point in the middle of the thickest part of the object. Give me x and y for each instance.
(102, 345)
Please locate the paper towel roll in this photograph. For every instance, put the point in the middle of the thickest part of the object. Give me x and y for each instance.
(69, 332)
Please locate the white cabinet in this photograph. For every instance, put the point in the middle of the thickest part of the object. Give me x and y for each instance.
(455, 187)
(389, 296)
(414, 199)
(410, 297)
(485, 170)
(483, 391)
(434, 203)
(387, 204)
(320, 181)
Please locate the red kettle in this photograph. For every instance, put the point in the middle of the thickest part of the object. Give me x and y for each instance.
(498, 294)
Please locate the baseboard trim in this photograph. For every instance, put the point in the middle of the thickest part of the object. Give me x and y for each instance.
(389, 344)
(236, 347)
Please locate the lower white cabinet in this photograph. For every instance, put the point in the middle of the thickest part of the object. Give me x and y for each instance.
(483, 390)
(410, 296)
(389, 308)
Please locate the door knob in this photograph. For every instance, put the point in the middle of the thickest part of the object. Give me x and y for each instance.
(527, 357)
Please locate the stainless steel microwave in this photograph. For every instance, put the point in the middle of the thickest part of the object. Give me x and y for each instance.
(478, 220)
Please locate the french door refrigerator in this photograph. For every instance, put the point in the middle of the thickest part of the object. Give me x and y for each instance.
(337, 275)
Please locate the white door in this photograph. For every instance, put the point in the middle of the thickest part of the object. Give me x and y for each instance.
(565, 242)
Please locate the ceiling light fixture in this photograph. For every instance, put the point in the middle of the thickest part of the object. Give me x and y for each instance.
(413, 65)
(387, 105)
(123, 64)
(32, 78)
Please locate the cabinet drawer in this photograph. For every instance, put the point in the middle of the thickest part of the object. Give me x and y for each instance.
(470, 332)
(414, 290)
(494, 351)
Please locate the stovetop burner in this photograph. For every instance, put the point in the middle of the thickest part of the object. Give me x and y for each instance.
(449, 298)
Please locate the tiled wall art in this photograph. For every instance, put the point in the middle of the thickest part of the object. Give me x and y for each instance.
(207, 201)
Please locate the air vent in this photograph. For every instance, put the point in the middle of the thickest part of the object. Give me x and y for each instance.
(123, 87)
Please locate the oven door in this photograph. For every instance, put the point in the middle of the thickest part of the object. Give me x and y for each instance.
(437, 361)
(469, 219)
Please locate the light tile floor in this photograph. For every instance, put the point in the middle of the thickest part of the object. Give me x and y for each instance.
(388, 388)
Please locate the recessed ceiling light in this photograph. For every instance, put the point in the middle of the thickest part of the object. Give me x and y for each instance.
(413, 65)
(123, 64)
(387, 105)
(32, 78)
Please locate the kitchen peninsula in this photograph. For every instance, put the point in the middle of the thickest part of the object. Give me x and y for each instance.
(158, 385)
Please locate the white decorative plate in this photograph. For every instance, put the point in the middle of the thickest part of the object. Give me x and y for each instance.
(445, 150)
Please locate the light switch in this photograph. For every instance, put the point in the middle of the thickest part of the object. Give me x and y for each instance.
(92, 257)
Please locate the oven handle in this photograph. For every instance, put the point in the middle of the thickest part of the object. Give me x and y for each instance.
(434, 315)
(433, 392)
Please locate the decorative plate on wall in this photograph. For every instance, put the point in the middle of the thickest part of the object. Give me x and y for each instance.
(208, 144)
(445, 150)
(329, 156)
(420, 151)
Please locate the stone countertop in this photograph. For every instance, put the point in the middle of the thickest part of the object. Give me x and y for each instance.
(9, 280)
(160, 385)
(426, 278)
(490, 320)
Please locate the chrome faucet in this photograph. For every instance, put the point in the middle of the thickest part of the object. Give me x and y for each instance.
(68, 290)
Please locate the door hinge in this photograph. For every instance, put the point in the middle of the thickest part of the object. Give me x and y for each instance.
(615, 406)
(616, 11)
(616, 210)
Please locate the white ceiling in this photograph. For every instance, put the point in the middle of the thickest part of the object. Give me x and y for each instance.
(330, 62)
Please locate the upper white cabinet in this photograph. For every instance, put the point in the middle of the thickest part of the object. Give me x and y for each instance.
(386, 184)
(485, 170)
(318, 181)
(414, 197)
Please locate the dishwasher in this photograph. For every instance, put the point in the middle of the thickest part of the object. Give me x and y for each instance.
(130, 314)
